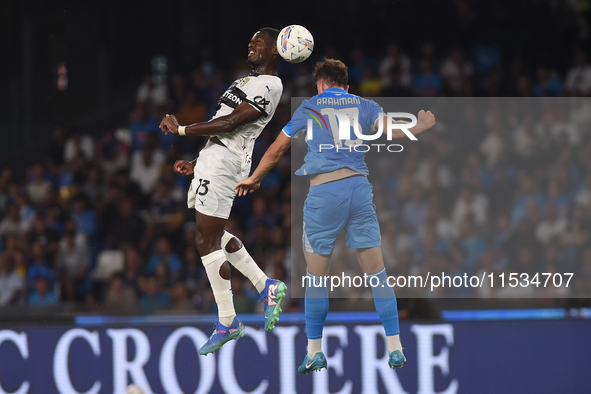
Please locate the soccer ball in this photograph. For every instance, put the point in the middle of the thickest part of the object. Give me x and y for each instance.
(295, 43)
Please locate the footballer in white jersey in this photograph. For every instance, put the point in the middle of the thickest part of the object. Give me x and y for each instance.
(242, 113)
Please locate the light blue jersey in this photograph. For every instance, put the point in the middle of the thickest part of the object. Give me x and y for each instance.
(326, 150)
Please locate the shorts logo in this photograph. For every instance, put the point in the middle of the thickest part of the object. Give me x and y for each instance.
(201, 201)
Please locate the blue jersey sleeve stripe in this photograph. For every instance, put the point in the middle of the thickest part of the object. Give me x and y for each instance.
(285, 132)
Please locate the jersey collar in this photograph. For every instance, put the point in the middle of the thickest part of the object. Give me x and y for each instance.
(335, 90)
(255, 74)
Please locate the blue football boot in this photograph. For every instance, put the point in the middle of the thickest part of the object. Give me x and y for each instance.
(222, 334)
(397, 359)
(271, 297)
(315, 363)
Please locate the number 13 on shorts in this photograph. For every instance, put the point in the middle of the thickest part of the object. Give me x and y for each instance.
(202, 189)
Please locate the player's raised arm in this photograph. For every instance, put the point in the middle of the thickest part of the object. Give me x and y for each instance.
(270, 158)
(425, 120)
(244, 113)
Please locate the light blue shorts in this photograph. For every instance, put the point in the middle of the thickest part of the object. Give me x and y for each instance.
(334, 206)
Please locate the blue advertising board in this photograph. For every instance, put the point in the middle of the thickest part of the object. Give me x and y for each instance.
(160, 355)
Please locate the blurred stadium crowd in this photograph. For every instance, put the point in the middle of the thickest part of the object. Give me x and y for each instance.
(101, 221)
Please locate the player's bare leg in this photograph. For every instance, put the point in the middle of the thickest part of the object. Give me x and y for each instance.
(372, 263)
(316, 310)
(318, 264)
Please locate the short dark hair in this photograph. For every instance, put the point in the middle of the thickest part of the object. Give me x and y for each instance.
(273, 33)
(332, 71)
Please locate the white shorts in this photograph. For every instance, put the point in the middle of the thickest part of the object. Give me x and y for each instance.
(216, 173)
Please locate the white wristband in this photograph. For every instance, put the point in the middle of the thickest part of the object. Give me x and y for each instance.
(182, 130)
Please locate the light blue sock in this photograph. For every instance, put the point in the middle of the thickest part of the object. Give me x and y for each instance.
(385, 301)
(316, 305)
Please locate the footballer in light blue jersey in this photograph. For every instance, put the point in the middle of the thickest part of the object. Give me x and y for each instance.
(325, 111)
(340, 198)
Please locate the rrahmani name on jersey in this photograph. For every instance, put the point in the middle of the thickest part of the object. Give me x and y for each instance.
(324, 111)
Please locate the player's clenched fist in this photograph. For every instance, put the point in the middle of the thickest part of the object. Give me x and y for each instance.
(169, 124)
(183, 167)
(426, 119)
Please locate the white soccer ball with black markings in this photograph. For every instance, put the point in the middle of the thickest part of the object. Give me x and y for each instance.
(295, 43)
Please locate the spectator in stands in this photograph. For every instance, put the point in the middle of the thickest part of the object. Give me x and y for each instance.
(547, 83)
(456, 73)
(151, 93)
(165, 256)
(128, 226)
(393, 87)
(43, 234)
(134, 266)
(553, 226)
(95, 189)
(120, 296)
(146, 165)
(43, 294)
(83, 216)
(142, 125)
(73, 263)
(527, 192)
(193, 110)
(487, 62)
(38, 265)
(492, 145)
(164, 205)
(525, 261)
(193, 273)
(472, 243)
(112, 154)
(79, 145)
(38, 185)
(396, 61)
(470, 203)
(432, 173)
(578, 78)
(181, 298)
(303, 83)
(12, 284)
(414, 212)
(242, 303)
(154, 297)
(360, 62)
(371, 85)
(13, 224)
(6, 178)
(426, 82)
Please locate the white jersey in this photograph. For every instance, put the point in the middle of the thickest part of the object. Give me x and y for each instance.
(263, 92)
